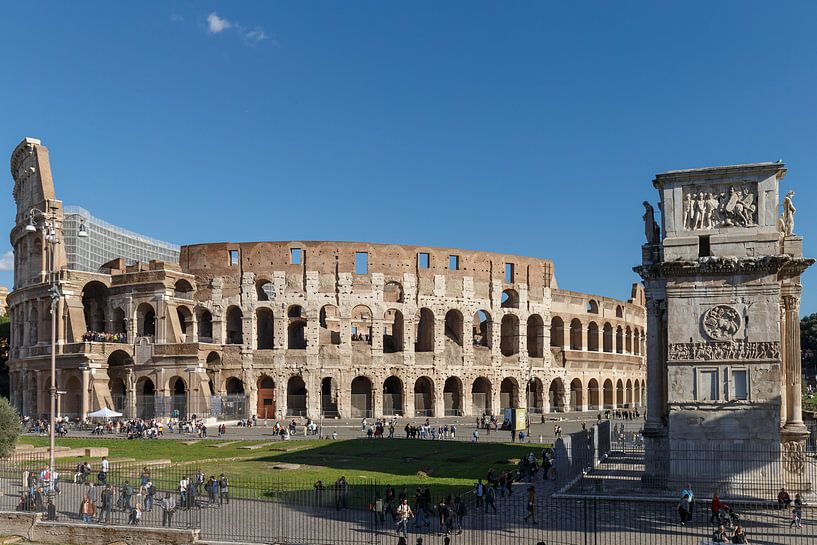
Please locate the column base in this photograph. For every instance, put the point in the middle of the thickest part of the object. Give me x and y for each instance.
(794, 431)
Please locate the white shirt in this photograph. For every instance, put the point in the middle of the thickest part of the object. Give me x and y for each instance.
(105, 465)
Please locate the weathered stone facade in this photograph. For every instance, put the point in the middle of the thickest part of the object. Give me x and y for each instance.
(723, 290)
(300, 327)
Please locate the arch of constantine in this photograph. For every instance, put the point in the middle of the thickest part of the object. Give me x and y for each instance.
(277, 329)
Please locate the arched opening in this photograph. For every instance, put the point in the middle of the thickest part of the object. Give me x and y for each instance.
(361, 398)
(636, 342)
(118, 393)
(454, 326)
(213, 359)
(619, 340)
(362, 324)
(296, 328)
(536, 336)
(619, 311)
(509, 394)
(329, 397)
(557, 332)
(34, 326)
(637, 393)
(178, 399)
(185, 323)
(576, 395)
(482, 329)
(119, 358)
(235, 326)
(118, 324)
(392, 396)
(576, 329)
(145, 398)
(264, 329)
(510, 299)
(205, 323)
(608, 394)
(296, 396)
(619, 393)
(329, 325)
(643, 393)
(265, 406)
(481, 397)
(592, 307)
(425, 331)
(424, 397)
(535, 393)
(94, 306)
(452, 397)
(392, 331)
(145, 320)
(593, 395)
(628, 393)
(607, 342)
(72, 399)
(556, 394)
(628, 340)
(593, 337)
(182, 289)
(509, 339)
(234, 386)
(393, 292)
(264, 290)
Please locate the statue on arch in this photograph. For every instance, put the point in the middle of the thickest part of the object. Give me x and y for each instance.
(651, 229)
(787, 217)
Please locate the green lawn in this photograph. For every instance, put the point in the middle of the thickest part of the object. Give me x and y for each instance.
(444, 466)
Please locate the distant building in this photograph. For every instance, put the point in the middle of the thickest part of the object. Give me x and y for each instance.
(4, 308)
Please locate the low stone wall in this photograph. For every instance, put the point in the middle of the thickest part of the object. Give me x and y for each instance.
(30, 526)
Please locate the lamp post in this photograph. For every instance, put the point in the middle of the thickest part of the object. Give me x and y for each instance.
(189, 371)
(47, 222)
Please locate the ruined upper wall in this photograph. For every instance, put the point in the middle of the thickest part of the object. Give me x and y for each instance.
(208, 261)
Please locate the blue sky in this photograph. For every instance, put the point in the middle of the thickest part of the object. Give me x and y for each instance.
(532, 128)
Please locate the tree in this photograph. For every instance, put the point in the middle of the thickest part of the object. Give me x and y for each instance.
(9, 427)
(808, 342)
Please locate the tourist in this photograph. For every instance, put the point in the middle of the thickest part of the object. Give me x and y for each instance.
(691, 496)
(479, 492)
(715, 507)
(184, 485)
(720, 535)
(168, 508)
(88, 510)
(739, 535)
(212, 490)
(531, 505)
(149, 493)
(797, 512)
(683, 509)
(783, 499)
(404, 514)
(106, 499)
(341, 493)
(490, 499)
(124, 500)
(135, 516)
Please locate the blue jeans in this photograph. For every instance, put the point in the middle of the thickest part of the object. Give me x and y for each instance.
(402, 527)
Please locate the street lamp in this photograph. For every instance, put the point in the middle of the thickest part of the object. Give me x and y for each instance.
(189, 371)
(47, 223)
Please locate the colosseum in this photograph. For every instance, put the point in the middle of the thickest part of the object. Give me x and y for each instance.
(274, 329)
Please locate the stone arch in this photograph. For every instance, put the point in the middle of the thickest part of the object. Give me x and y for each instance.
(593, 395)
(628, 340)
(425, 331)
(393, 292)
(264, 329)
(628, 393)
(536, 395)
(556, 393)
(393, 396)
(619, 340)
(329, 397)
(182, 289)
(116, 385)
(118, 321)
(482, 329)
(424, 397)
(510, 299)
(72, 398)
(95, 305)
(205, 323)
(296, 328)
(592, 307)
(145, 320)
(609, 394)
(454, 326)
(593, 337)
(145, 398)
(509, 340)
(235, 325)
(636, 342)
(213, 359)
(362, 324)
(34, 326)
(452, 397)
(265, 389)
(619, 311)
(329, 325)
(178, 396)
(119, 358)
(296, 396)
(637, 393)
(481, 394)
(536, 336)
(607, 337)
(185, 316)
(619, 393)
(643, 393)
(576, 395)
(264, 290)
(509, 393)
(234, 386)
(557, 332)
(361, 392)
(576, 330)
(392, 331)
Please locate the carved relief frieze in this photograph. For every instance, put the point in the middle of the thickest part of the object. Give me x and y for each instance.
(728, 351)
(712, 207)
(721, 322)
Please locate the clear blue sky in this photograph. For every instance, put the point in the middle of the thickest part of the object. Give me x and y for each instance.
(532, 128)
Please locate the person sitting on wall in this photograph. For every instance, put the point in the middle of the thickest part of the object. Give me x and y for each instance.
(783, 499)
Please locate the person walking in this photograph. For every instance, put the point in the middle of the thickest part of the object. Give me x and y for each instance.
(715, 507)
(223, 490)
(691, 497)
(479, 492)
(88, 510)
(490, 499)
(107, 505)
(683, 509)
(404, 514)
(797, 512)
(531, 505)
(168, 509)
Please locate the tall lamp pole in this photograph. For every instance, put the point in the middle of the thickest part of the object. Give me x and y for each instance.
(48, 225)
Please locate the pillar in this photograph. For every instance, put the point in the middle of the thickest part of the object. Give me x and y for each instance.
(655, 367)
(86, 383)
(795, 429)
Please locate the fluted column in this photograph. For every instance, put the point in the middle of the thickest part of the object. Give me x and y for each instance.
(794, 429)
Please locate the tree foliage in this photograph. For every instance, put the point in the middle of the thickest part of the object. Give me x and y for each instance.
(808, 332)
(9, 427)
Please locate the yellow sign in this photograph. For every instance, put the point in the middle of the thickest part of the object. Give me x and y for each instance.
(519, 421)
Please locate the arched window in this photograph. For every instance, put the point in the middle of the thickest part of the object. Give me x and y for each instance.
(362, 324)
(509, 340)
(510, 299)
(393, 292)
(95, 305)
(453, 326)
(145, 320)
(425, 331)
(182, 289)
(592, 307)
(296, 329)
(607, 344)
(481, 330)
(557, 332)
(576, 330)
(265, 328)
(329, 322)
(393, 331)
(205, 326)
(593, 337)
(235, 326)
(536, 336)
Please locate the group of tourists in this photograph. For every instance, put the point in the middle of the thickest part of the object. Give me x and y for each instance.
(217, 491)
(383, 428)
(102, 337)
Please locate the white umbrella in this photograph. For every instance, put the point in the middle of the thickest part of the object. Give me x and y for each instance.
(104, 413)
